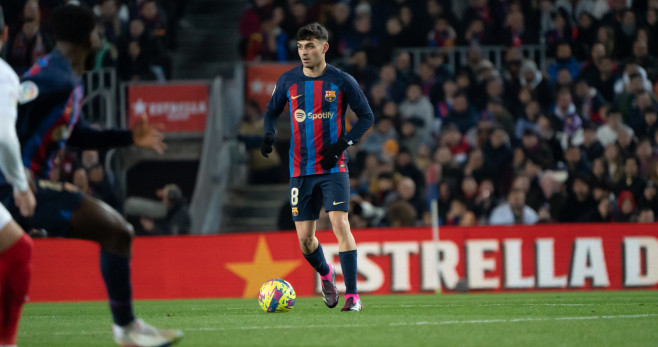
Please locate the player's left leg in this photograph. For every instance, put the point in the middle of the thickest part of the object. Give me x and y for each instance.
(15, 273)
(348, 255)
(336, 194)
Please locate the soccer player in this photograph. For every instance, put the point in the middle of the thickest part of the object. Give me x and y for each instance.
(318, 95)
(49, 118)
(15, 245)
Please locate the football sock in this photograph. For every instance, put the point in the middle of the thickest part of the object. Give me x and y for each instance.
(327, 277)
(116, 274)
(317, 261)
(348, 296)
(348, 263)
(15, 273)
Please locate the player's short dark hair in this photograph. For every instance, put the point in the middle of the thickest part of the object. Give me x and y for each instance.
(313, 31)
(73, 24)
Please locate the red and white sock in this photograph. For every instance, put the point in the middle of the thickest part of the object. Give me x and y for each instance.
(15, 273)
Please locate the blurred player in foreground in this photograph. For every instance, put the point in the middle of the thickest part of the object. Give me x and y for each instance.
(49, 117)
(15, 245)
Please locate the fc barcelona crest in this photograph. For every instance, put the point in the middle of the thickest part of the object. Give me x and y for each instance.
(330, 95)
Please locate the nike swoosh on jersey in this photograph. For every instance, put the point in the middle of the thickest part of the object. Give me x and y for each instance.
(338, 203)
(296, 96)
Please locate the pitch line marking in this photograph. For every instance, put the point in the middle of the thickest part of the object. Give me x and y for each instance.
(451, 322)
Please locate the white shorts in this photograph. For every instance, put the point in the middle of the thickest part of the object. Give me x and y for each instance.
(5, 217)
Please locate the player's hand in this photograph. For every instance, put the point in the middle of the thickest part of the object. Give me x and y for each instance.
(266, 146)
(331, 154)
(148, 136)
(25, 202)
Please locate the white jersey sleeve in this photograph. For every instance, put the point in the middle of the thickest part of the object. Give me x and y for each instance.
(11, 165)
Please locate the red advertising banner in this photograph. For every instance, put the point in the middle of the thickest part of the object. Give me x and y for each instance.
(178, 107)
(496, 259)
(261, 79)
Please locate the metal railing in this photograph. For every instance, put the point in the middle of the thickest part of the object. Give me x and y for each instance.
(456, 56)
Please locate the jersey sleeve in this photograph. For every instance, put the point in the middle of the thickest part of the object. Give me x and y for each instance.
(85, 137)
(359, 104)
(275, 106)
(10, 149)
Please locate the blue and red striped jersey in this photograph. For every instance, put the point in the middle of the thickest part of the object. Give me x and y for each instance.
(317, 116)
(51, 118)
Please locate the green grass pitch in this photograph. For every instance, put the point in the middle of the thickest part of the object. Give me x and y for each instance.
(529, 319)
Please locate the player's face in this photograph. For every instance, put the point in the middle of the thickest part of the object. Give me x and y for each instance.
(312, 52)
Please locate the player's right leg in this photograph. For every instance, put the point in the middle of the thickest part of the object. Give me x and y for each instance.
(15, 273)
(96, 221)
(306, 202)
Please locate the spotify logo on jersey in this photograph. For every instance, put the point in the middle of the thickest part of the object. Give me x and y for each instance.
(300, 115)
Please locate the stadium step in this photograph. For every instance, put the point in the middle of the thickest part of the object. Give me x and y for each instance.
(253, 207)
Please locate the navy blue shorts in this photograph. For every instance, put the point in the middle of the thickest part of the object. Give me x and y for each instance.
(55, 205)
(309, 193)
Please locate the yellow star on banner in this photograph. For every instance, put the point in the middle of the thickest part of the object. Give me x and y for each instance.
(261, 269)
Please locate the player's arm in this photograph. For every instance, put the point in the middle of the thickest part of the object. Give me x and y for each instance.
(11, 164)
(142, 134)
(359, 104)
(274, 108)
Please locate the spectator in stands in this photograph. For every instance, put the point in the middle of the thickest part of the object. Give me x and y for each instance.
(463, 115)
(134, 64)
(442, 34)
(560, 31)
(109, 19)
(514, 211)
(363, 73)
(588, 101)
(405, 190)
(564, 59)
(646, 155)
(498, 157)
(155, 22)
(459, 214)
(607, 133)
(603, 212)
(273, 40)
(261, 170)
(27, 41)
(106, 52)
(566, 118)
(642, 58)
(97, 183)
(585, 35)
(647, 216)
(409, 136)
(625, 207)
(631, 180)
(383, 131)
(649, 125)
(177, 220)
(591, 146)
(363, 35)
(418, 105)
(579, 206)
(541, 89)
(625, 34)
(339, 25)
(395, 89)
(401, 213)
(649, 197)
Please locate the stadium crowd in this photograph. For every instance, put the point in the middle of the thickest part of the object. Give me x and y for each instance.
(576, 142)
(135, 36)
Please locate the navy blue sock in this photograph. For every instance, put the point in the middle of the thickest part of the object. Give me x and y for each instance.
(348, 263)
(317, 260)
(116, 274)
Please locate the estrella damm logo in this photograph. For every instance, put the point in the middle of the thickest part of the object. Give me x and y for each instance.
(330, 95)
(300, 115)
(295, 211)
